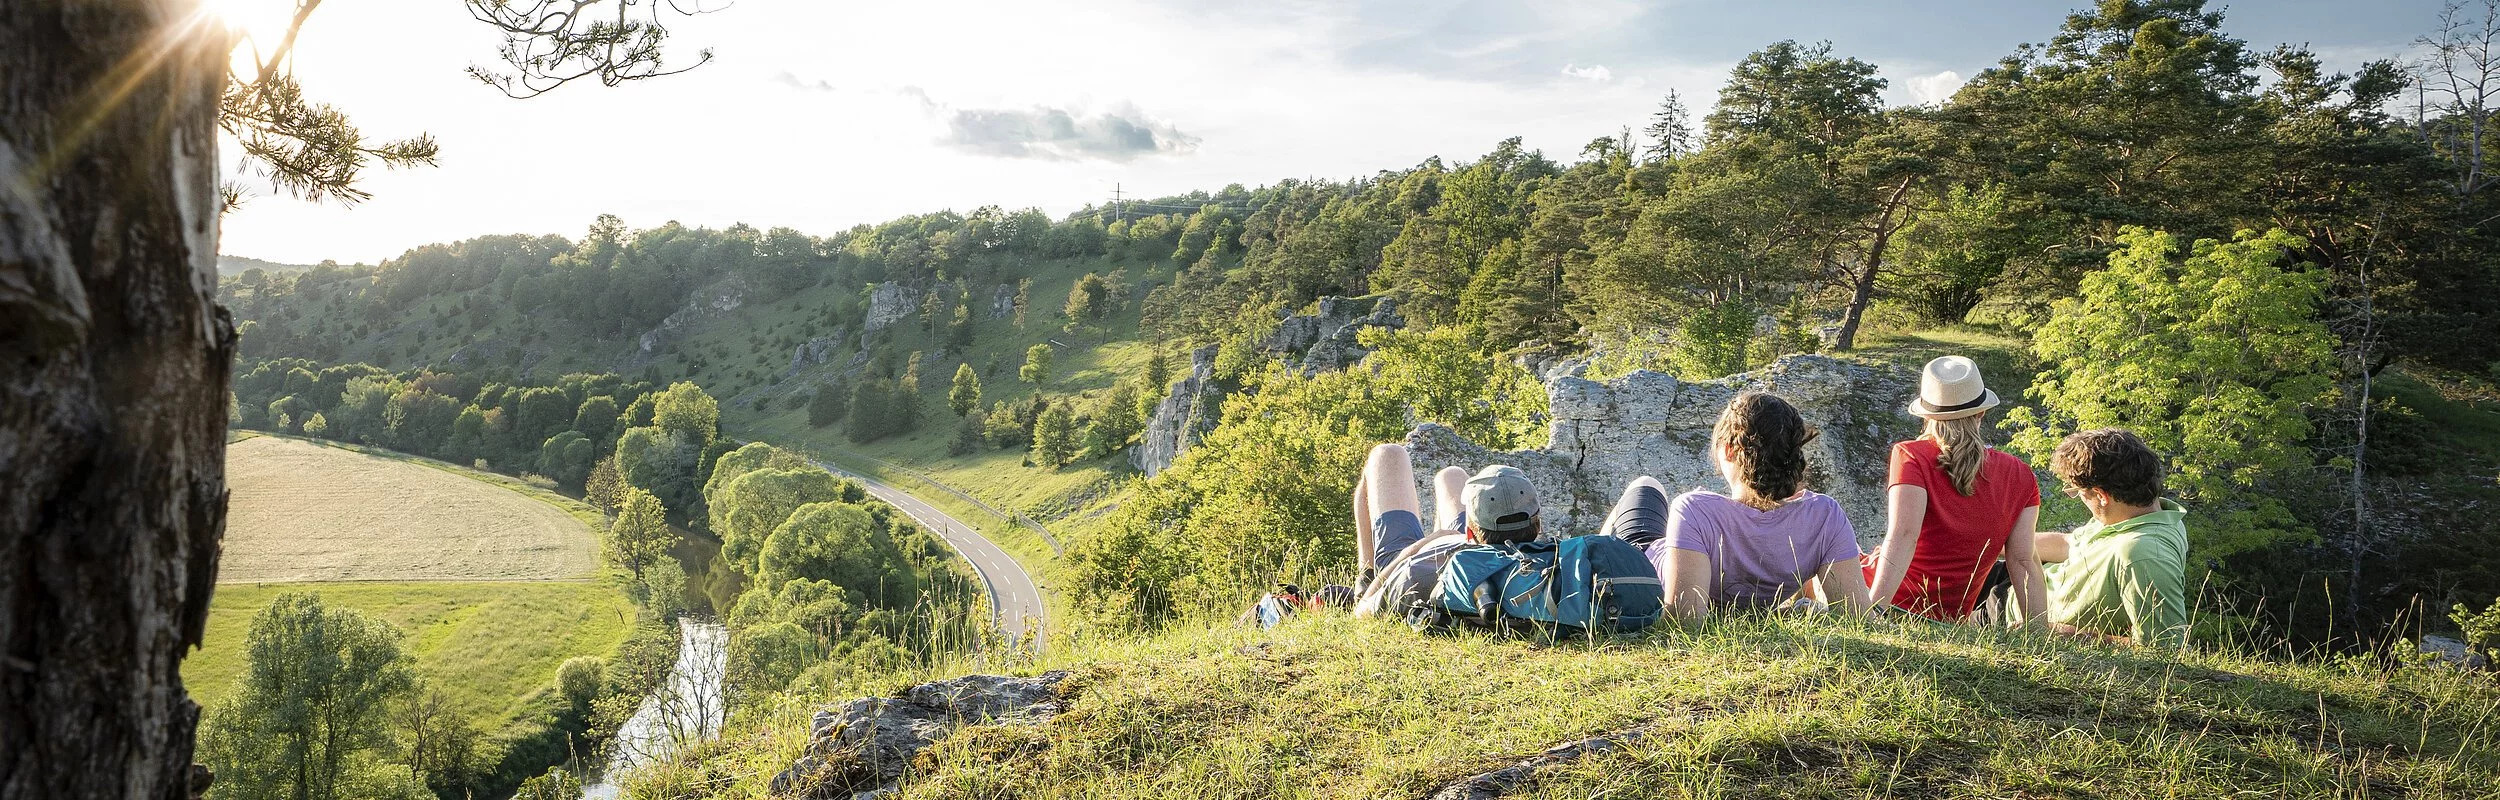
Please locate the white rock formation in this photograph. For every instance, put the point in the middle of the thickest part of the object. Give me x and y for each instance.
(1605, 434)
(890, 303)
(1186, 413)
(1326, 341)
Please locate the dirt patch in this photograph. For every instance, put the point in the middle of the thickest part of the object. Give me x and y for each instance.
(304, 512)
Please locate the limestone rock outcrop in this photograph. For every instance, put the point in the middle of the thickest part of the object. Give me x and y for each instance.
(706, 303)
(890, 303)
(1648, 423)
(1311, 343)
(1190, 410)
(1326, 340)
(2454, 653)
(1003, 301)
(861, 748)
(813, 352)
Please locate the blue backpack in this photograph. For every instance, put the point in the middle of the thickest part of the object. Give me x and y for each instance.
(1589, 583)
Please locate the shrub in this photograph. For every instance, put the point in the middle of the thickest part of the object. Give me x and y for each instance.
(578, 681)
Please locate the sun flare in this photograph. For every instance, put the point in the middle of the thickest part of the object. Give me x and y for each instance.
(261, 22)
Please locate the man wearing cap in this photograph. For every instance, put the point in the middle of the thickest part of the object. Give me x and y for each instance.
(1403, 563)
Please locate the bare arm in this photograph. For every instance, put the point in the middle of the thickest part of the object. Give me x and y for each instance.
(2050, 546)
(1845, 581)
(2022, 568)
(1908, 512)
(1688, 584)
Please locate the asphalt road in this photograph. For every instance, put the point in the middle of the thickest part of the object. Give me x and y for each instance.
(1013, 597)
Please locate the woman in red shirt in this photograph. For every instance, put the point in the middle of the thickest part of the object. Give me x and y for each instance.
(1957, 505)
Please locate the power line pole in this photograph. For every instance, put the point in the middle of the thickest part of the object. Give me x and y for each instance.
(1117, 213)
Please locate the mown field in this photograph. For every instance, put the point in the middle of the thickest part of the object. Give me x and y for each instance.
(489, 579)
(311, 512)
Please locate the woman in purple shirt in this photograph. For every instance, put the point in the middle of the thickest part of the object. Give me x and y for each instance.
(1762, 545)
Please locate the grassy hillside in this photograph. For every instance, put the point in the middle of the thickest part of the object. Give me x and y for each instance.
(1761, 707)
(494, 646)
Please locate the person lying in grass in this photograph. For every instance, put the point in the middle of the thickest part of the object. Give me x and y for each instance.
(2124, 574)
(1402, 560)
(1496, 506)
(1769, 542)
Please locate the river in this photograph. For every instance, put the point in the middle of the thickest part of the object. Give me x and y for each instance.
(688, 707)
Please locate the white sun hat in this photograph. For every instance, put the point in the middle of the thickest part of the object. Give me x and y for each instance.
(1949, 388)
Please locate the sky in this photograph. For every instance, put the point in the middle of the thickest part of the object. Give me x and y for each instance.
(820, 115)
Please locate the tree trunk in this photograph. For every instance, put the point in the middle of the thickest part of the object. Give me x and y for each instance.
(112, 390)
(1862, 290)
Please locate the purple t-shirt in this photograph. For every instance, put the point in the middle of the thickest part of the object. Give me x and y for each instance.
(1757, 557)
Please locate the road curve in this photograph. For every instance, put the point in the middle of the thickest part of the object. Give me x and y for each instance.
(1014, 598)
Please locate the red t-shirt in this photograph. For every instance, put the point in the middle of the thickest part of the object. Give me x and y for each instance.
(1962, 537)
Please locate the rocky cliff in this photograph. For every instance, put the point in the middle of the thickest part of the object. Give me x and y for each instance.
(889, 303)
(1311, 343)
(705, 305)
(1326, 340)
(813, 352)
(1003, 301)
(1187, 413)
(1647, 423)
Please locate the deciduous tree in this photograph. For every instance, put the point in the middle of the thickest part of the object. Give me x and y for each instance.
(2213, 356)
(309, 718)
(639, 535)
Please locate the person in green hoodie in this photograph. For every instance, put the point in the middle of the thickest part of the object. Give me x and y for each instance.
(2124, 574)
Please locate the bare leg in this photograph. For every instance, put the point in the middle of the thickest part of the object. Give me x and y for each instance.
(1387, 485)
(1449, 486)
(1364, 536)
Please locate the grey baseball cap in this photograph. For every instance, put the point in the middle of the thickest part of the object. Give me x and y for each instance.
(1500, 499)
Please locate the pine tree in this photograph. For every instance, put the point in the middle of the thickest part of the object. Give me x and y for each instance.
(907, 396)
(1158, 372)
(959, 332)
(965, 396)
(1089, 300)
(1670, 130)
(1115, 422)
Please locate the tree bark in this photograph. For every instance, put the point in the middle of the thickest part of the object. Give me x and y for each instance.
(113, 369)
(1862, 285)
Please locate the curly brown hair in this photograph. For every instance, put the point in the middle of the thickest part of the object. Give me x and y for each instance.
(1770, 440)
(2112, 460)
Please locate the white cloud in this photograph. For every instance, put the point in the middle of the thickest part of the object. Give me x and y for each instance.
(1594, 73)
(1935, 88)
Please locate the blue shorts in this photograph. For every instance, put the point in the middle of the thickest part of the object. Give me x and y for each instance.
(1392, 531)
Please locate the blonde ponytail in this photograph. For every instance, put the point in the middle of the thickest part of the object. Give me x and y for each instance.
(1962, 448)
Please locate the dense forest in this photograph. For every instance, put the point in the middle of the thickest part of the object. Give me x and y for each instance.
(2227, 247)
